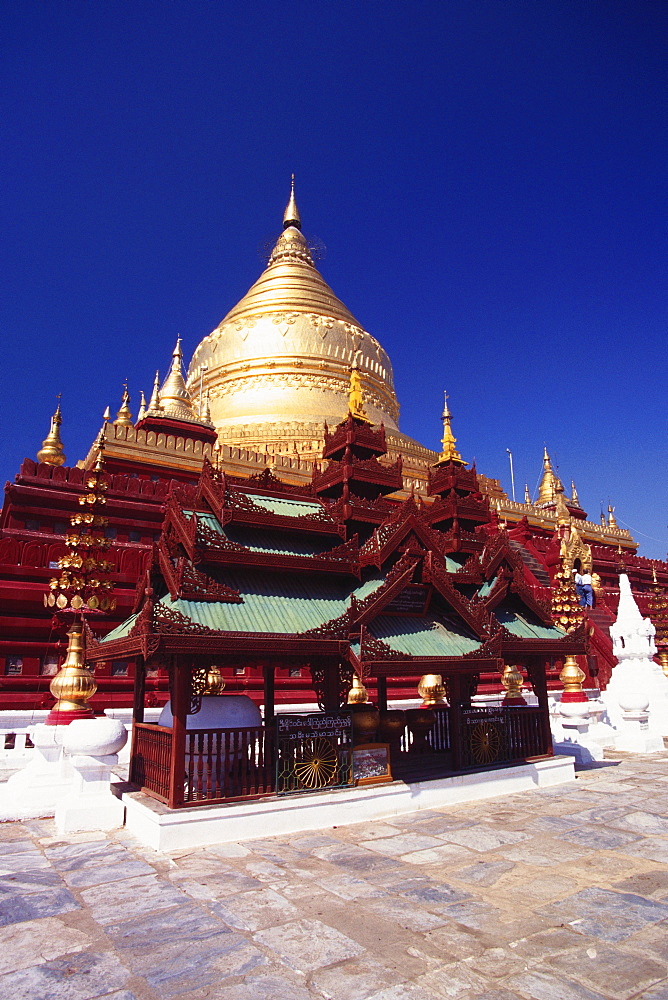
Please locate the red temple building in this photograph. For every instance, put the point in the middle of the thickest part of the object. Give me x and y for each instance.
(233, 474)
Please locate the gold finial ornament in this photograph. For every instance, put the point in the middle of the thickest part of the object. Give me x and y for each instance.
(611, 517)
(214, 681)
(512, 680)
(74, 685)
(206, 414)
(106, 416)
(527, 495)
(142, 407)
(154, 405)
(358, 694)
(548, 484)
(449, 451)
(574, 494)
(431, 689)
(124, 416)
(356, 395)
(572, 677)
(291, 216)
(51, 452)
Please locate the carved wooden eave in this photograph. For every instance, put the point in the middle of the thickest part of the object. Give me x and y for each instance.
(354, 434)
(374, 650)
(178, 528)
(215, 549)
(473, 614)
(389, 535)
(447, 477)
(186, 582)
(462, 508)
(335, 628)
(395, 581)
(368, 472)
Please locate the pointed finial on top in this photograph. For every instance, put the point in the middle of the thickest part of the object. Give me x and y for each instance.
(107, 414)
(206, 415)
(291, 216)
(142, 407)
(574, 494)
(527, 495)
(154, 404)
(612, 523)
(449, 451)
(124, 416)
(548, 485)
(51, 452)
(654, 579)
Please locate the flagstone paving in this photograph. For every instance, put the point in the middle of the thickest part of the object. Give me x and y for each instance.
(552, 894)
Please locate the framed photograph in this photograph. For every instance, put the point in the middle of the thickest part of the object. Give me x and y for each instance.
(371, 764)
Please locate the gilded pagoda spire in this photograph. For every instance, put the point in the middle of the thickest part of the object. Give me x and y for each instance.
(291, 216)
(612, 523)
(174, 396)
(51, 452)
(548, 484)
(449, 451)
(142, 407)
(527, 495)
(124, 416)
(574, 494)
(154, 404)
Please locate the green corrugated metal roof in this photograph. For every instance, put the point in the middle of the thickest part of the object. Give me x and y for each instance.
(525, 625)
(210, 520)
(452, 565)
(279, 602)
(282, 543)
(121, 631)
(286, 505)
(487, 587)
(422, 636)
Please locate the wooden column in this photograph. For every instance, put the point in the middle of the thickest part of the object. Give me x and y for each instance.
(536, 670)
(331, 685)
(139, 690)
(381, 687)
(269, 705)
(181, 687)
(456, 729)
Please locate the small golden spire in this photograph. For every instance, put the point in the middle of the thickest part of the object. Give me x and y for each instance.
(154, 405)
(51, 452)
(603, 524)
(174, 396)
(356, 394)
(291, 216)
(206, 415)
(124, 417)
(142, 407)
(574, 494)
(106, 416)
(548, 484)
(449, 452)
(654, 579)
(611, 517)
(527, 495)
(562, 511)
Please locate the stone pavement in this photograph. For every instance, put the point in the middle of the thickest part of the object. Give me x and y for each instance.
(553, 894)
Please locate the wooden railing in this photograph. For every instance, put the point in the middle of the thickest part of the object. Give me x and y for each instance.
(151, 756)
(225, 764)
(488, 736)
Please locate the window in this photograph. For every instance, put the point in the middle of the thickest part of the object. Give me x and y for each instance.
(110, 532)
(119, 668)
(134, 536)
(13, 665)
(239, 671)
(294, 672)
(32, 525)
(49, 665)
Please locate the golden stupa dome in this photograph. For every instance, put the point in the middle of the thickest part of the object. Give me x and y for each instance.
(283, 354)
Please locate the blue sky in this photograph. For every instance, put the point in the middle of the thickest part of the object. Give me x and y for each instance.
(488, 179)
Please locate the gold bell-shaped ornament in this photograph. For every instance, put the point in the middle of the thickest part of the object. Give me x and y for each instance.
(74, 685)
(431, 689)
(214, 681)
(512, 680)
(358, 694)
(572, 677)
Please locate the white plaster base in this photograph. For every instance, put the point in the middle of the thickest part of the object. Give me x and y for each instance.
(635, 735)
(32, 793)
(102, 812)
(166, 829)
